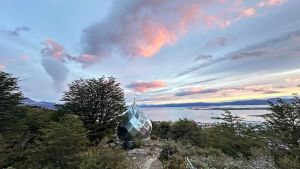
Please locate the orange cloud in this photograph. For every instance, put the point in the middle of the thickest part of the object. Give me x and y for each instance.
(155, 38)
(142, 28)
(146, 86)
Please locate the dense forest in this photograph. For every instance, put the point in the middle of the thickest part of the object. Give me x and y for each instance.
(75, 134)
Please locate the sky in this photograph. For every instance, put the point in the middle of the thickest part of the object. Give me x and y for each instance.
(161, 51)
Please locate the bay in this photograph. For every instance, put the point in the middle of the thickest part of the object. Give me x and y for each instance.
(200, 115)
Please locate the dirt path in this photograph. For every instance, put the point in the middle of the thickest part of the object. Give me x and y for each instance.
(148, 163)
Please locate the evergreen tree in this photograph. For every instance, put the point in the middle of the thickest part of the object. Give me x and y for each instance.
(229, 118)
(99, 103)
(187, 131)
(283, 131)
(10, 98)
(283, 124)
(61, 145)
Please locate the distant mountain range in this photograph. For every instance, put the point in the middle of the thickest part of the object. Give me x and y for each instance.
(51, 105)
(43, 104)
(231, 103)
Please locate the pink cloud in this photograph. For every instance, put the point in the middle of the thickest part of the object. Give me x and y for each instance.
(141, 28)
(264, 3)
(2, 67)
(147, 85)
(53, 49)
(86, 59)
(265, 89)
(24, 58)
(248, 12)
(56, 51)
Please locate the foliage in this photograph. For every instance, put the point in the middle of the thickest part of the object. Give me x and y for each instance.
(99, 103)
(289, 162)
(233, 137)
(104, 158)
(10, 98)
(60, 145)
(283, 132)
(161, 129)
(283, 124)
(2, 149)
(173, 155)
(187, 131)
(229, 118)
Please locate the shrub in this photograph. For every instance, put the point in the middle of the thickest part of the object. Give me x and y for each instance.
(60, 145)
(106, 158)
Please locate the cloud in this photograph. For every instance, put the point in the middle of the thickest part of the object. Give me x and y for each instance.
(195, 90)
(248, 12)
(298, 85)
(286, 45)
(264, 89)
(292, 80)
(24, 58)
(217, 42)
(247, 54)
(203, 65)
(141, 28)
(2, 67)
(16, 31)
(203, 57)
(205, 81)
(58, 72)
(53, 49)
(146, 85)
(272, 92)
(264, 3)
(53, 61)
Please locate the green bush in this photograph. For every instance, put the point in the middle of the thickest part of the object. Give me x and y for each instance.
(105, 158)
(289, 162)
(60, 146)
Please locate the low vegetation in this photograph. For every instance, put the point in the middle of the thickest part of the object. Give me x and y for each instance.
(233, 144)
(73, 135)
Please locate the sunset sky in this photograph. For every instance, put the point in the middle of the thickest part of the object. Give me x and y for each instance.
(161, 51)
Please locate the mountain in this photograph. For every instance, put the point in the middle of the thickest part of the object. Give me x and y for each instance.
(207, 104)
(43, 104)
(51, 105)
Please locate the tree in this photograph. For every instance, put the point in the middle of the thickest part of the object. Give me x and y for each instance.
(283, 131)
(11, 116)
(233, 137)
(61, 145)
(99, 103)
(10, 98)
(161, 129)
(187, 131)
(283, 124)
(229, 118)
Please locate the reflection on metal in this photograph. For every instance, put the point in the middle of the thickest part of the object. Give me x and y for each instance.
(135, 124)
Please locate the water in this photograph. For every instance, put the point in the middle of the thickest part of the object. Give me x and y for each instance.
(175, 113)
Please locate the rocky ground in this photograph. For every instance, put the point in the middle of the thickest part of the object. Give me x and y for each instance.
(146, 157)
